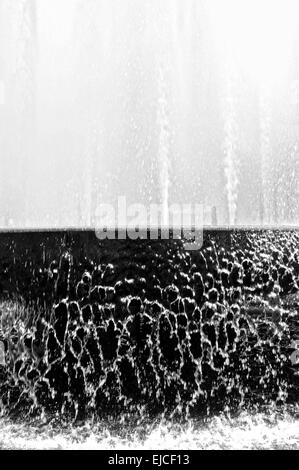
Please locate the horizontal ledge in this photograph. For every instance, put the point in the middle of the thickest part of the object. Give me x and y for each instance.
(206, 228)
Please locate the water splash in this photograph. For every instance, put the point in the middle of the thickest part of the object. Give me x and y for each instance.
(270, 431)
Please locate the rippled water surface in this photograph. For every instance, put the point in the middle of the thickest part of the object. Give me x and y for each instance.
(248, 431)
(207, 361)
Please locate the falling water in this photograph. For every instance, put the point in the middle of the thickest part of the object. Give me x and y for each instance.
(163, 147)
(143, 86)
(25, 96)
(76, 371)
(231, 145)
(119, 91)
(266, 170)
(20, 38)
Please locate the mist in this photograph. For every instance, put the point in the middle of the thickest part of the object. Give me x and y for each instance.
(160, 102)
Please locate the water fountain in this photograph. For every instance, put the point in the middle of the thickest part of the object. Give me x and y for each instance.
(156, 103)
(190, 66)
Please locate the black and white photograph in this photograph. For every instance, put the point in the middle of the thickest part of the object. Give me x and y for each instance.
(149, 228)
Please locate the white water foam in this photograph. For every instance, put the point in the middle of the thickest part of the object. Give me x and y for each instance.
(258, 431)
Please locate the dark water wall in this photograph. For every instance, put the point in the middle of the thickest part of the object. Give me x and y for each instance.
(24, 253)
(169, 331)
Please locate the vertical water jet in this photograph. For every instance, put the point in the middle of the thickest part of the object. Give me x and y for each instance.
(163, 146)
(231, 144)
(265, 153)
